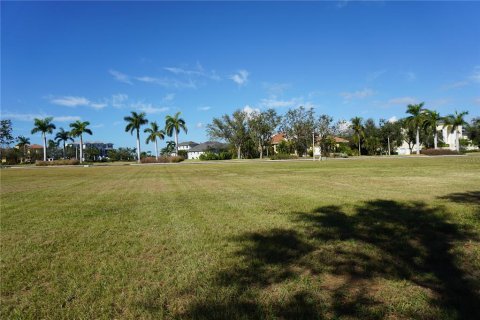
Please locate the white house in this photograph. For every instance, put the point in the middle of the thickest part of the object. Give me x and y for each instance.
(211, 146)
(187, 145)
(445, 134)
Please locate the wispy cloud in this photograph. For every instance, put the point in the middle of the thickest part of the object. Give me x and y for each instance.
(475, 76)
(120, 77)
(375, 75)
(240, 78)
(454, 85)
(401, 101)
(96, 126)
(168, 82)
(206, 108)
(274, 102)
(200, 125)
(118, 100)
(168, 97)
(360, 94)
(276, 88)
(28, 117)
(73, 102)
(148, 108)
(250, 110)
(198, 71)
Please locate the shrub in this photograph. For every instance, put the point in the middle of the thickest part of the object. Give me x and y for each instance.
(438, 152)
(338, 155)
(183, 154)
(66, 162)
(162, 159)
(283, 156)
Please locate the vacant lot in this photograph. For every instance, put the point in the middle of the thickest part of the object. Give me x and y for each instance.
(371, 239)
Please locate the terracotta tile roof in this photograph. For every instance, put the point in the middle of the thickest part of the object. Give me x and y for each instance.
(340, 140)
(279, 137)
(36, 146)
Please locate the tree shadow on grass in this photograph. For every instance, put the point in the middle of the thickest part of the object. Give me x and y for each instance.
(464, 197)
(381, 240)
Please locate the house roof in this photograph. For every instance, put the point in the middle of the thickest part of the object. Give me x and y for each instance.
(36, 146)
(202, 147)
(188, 143)
(340, 140)
(277, 138)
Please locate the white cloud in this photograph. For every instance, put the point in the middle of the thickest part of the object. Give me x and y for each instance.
(118, 100)
(120, 77)
(70, 101)
(28, 117)
(360, 94)
(98, 105)
(148, 108)
(200, 125)
(100, 125)
(206, 108)
(198, 71)
(402, 101)
(410, 76)
(454, 85)
(168, 97)
(168, 83)
(375, 75)
(240, 78)
(392, 119)
(249, 110)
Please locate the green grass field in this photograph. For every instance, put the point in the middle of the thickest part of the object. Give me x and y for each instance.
(371, 239)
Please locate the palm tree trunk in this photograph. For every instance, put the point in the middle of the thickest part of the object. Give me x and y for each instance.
(418, 140)
(176, 143)
(435, 139)
(64, 150)
(388, 145)
(81, 149)
(138, 145)
(359, 148)
(156, 149)
(44, 147)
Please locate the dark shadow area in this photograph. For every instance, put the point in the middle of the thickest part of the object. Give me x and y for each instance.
(464, 197)
(380, 241)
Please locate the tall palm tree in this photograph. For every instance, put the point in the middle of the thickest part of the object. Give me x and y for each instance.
(23, 142)
(134, 122)
(454, 122)
(154, 133)
(173, 125)
(416, 118)
(63, 136)
(431, 122)
(78, 129)
(44, 126)
(358, 129)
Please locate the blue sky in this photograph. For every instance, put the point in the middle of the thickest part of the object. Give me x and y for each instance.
(97, 61)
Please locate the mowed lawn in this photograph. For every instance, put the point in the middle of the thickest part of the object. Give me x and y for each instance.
(340, 239)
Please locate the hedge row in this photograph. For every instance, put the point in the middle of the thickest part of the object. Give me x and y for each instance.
(71, 162)
(170, 159)
(438, 152)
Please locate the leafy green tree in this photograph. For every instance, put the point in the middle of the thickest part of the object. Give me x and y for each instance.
(44, 126)
(454, 122)
(473, 131)
(78, 128)
(359, 133)
(232, 129)
(173, 125)
(63, 136)
(6, 137)
(430, 123)
(284, 147)
(324, 129)
(154, 133)
(415, 120)
(91, 153)
(391, 135)
(22, 143)
(372, 137)
(262, 126)
(169, 148)
(134, 122)
(298, 125)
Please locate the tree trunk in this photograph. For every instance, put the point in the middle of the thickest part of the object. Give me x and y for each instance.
(64, 150)
(176, 142)
(156, 149)
(457, 141)
(44, 147)
(435, 140)
(417, 138)
(388, 138)
(138, 145)
(239, 149)
(81, 149)
(261, 148)
(359, 147)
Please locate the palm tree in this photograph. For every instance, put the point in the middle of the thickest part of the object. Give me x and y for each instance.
(431, 121)
(169, 148)
(173, 125)
(64, 136)
(134, 122)
(416, 118)
(358, 129)
(44, 126)
(78, 129)
(154, 133)
(455, 121)
(23, 142)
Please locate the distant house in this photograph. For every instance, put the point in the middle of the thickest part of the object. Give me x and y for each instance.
(187, 145)
(276, 139)
(210, 146)
(102, 147)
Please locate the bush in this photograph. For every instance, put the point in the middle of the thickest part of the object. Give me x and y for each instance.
(338, 155)
(438, 152)
(71, 162)
(162, 159)
(283, 156)
(183, 154)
